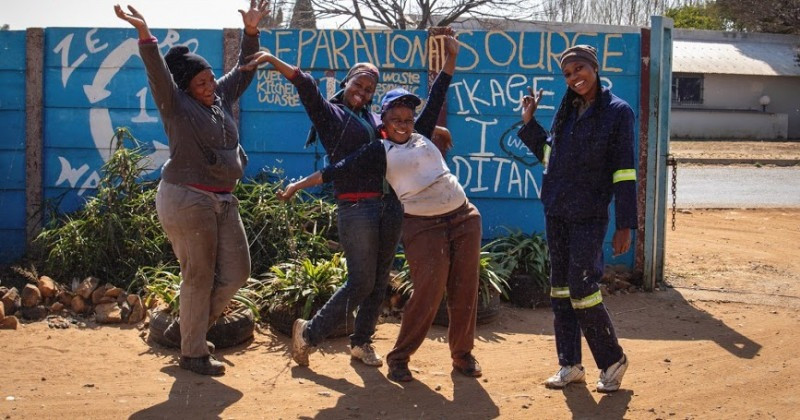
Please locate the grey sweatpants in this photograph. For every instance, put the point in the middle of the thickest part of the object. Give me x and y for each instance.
(209, 240)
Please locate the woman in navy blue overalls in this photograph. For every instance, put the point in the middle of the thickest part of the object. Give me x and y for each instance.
(587, 158)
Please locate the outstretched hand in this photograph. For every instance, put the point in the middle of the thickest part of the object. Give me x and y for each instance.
(255, 13)
(287, 195)
(252, 61)
(529, 104)
(134, 17)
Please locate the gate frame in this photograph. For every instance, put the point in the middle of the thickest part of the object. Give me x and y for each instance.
(657, 150)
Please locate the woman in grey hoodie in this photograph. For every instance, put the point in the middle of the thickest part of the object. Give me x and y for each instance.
(194, 201)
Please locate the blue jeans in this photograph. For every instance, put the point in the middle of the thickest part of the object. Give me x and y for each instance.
(369, 231)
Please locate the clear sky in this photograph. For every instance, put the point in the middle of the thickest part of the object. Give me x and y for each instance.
(184, 14)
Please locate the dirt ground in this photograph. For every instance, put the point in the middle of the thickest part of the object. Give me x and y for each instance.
(767, 150)
(719, 342)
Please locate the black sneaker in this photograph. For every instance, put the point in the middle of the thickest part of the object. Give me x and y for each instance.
(205, 365)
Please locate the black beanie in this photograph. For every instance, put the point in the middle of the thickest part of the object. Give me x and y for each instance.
(184, 65)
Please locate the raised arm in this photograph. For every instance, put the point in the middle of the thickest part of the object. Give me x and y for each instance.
(262, 57)
(136, 20)
(325, 116)
(426, 122)
(235, 82)
(451, 52)
(162, 87)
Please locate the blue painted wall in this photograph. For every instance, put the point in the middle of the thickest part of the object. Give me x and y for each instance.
(12, 145)
(94, 82)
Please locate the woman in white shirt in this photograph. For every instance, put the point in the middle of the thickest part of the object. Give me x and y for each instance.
(441, 232)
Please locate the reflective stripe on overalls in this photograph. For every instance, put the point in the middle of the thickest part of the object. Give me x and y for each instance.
(594, 299)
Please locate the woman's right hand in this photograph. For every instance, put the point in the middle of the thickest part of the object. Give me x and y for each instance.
(529, 104)
(134, 17)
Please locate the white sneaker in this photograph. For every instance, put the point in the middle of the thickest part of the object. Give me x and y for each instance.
(300, 348)
(366, 353)
(611, 378)
(565, 376)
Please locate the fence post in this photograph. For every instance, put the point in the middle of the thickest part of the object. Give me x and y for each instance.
(34, 135)
(657, 149)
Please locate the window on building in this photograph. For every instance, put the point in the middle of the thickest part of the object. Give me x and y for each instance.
(687, 89)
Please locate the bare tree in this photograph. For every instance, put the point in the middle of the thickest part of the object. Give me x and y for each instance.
(303, 15)
(611, 12)
(421, 14)
(275, 18)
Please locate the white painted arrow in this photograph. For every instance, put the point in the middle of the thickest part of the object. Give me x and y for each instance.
(108, 68)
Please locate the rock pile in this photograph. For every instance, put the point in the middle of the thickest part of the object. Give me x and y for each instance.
(108, 304)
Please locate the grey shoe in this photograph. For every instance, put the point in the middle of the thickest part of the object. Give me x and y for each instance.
(206, 365)
(300, 348)
(611, 378)
(367, 354)
(565, 376)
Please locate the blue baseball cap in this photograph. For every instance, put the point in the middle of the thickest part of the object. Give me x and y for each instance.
(399, 96)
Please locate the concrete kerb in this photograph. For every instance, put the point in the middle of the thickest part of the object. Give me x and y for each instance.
(722, 161)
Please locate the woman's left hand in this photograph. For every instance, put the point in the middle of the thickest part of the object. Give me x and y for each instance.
(621, 242)
(254, 60)
(252, 16)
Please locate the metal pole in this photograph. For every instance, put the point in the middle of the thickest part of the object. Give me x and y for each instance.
(657, 149)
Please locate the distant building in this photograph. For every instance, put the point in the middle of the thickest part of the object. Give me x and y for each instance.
(734, 85)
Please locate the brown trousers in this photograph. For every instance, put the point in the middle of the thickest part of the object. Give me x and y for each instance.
(209, 240)
(443, 254)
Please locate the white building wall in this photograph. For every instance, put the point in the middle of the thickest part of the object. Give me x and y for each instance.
(731, 109)
(727, 125)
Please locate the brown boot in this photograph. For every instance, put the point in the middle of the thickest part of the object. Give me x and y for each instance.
(205, 365)
(468, 366)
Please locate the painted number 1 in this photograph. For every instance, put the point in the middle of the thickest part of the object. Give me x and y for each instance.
(143, 117)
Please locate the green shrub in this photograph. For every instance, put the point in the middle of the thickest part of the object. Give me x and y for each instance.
(117, 237)
(305, 282)
(116, 232)
(522, 253)
(278, 231)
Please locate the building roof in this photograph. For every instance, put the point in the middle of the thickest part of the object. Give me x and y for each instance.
(735, 53)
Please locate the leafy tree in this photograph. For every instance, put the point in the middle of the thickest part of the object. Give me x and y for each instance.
(697, 17)
(771, 16)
